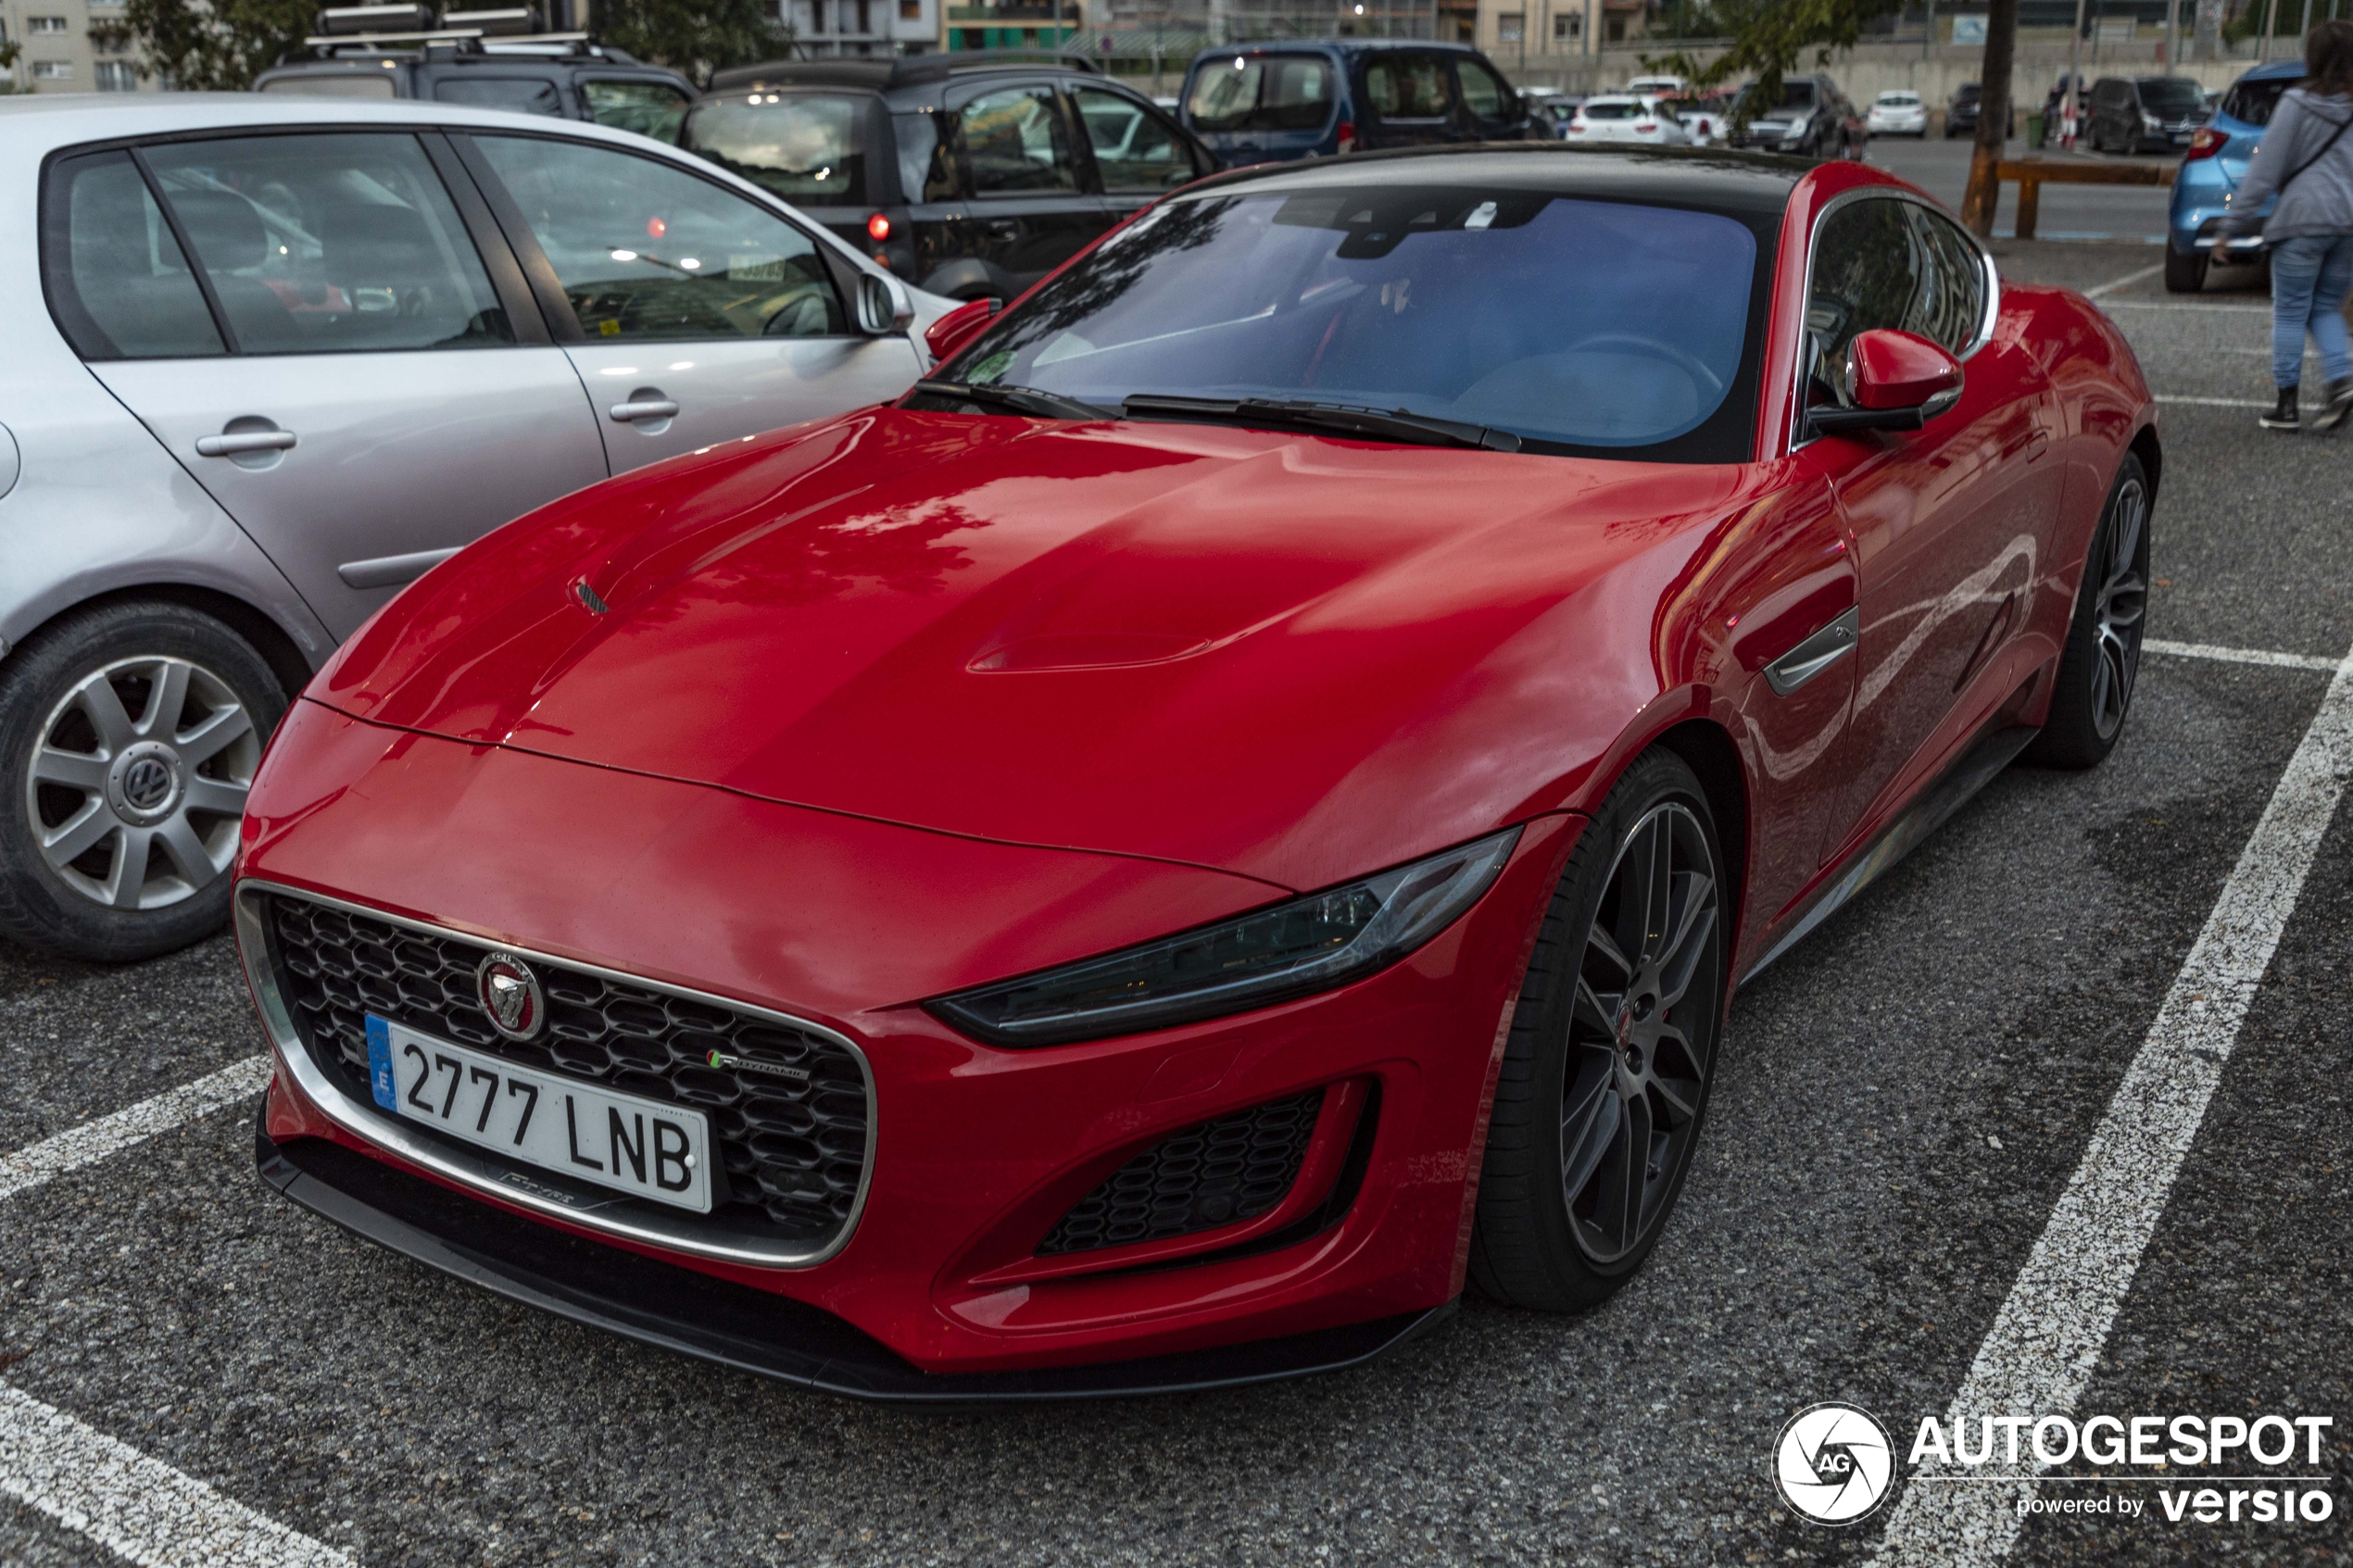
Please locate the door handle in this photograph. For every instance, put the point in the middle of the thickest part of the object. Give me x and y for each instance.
(2037, 443)
(244, 441)
(1814, 655)
(643, 408)
(1004, 227)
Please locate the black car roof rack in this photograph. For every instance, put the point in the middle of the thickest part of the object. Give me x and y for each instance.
(896, 71)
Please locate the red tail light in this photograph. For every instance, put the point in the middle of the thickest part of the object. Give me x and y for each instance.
(2206, 144)
(1644, 130)
(1577, 128)
(879, 228)
(1347, 136)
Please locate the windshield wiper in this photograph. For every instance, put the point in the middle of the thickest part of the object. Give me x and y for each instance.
(1018, 399)
(1384, 424)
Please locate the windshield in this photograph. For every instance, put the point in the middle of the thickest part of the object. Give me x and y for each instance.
(804, 147)
(1262, 93)
(1573, 324)
(1621, 110)
(1795, 95)
(2171, 92)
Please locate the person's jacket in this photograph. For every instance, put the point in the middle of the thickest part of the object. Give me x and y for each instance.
(2319, 200)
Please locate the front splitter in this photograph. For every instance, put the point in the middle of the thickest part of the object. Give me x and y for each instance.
(751, 1330)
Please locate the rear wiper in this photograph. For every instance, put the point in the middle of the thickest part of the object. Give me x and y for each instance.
(1017, 399)
(1384, 424)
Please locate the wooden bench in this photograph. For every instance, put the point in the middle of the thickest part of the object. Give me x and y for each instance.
(2033, 173)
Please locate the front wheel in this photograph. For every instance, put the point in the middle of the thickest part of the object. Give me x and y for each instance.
(1612, 1044)
(2094, 691)
(128, 736)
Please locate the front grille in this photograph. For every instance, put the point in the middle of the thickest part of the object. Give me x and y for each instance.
(1235, 1168)
(793, 1153)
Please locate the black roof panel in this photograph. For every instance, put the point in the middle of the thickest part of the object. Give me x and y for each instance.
(1716, 179)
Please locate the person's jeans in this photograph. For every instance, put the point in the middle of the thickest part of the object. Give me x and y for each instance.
(2310, 276)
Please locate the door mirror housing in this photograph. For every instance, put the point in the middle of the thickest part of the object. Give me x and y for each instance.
(959, 327)
(1899, 381)
(884, 308)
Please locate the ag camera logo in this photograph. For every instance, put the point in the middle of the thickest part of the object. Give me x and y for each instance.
(1835, 1463)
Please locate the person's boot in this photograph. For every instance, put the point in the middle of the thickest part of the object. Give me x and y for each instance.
(2339, 404)
(2283, 417)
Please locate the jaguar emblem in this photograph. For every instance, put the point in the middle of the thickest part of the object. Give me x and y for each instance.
(510, 994)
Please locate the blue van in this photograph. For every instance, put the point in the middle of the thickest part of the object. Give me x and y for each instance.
(2211, 169)
(1270, 102)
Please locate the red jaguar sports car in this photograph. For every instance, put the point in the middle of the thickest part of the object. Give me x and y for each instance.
(1235, 808)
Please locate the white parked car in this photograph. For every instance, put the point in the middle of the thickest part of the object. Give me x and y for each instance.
(1707, 120)
(1621, 117)
(1657, 87)
(1897, 114)
(269, 357)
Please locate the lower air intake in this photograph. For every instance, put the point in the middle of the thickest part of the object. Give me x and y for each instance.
(1235, 1168)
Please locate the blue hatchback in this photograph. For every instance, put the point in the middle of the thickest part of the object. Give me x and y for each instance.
(2213, 167)
(1273, 102)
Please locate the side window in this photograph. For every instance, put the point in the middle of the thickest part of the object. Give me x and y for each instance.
(1408, 87)
(1867, 267)
(1484, 93)
(121, 287)
(644, 250)
(807, 148)
(523, 95)
(1134, 149)
(330, 243)
(650, 108)
(926, 173)
(1951, 303)
(1015, 141)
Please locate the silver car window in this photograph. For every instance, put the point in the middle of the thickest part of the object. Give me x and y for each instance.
(644, 250)
(120, 285)
(330, 243)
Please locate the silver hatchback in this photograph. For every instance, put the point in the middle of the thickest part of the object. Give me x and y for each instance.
(270, 359)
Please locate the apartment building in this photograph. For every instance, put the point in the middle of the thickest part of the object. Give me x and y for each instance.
(57, 52)
(832, 29)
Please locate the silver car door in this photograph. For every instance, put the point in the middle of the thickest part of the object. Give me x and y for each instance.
(380, 402)
(700, 315)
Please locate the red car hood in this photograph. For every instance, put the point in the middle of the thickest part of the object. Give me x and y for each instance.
(1289, 657)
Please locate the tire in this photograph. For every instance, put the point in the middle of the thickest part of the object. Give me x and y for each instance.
(2183, 274)
(2093, 695)
(1553, 1231)
(129, 732)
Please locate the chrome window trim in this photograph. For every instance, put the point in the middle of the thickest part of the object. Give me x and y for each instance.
(255, 949)
(1791, 440)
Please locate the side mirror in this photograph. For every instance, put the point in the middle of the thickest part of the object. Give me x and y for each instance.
(959, 327)
(883, 306)
(1899, 381)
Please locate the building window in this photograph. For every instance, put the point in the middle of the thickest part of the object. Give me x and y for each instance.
(910, 10)
(1617, 30)
(52, 70)
(865, 16)
(116, 76)
(38, 25)
(1568, 27)
(1511, 27)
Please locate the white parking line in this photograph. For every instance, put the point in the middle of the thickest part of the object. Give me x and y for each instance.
(31, 1166)
(138, 1508)
(2047, 1338)
(2238, 656)
(2214, 403)
(2173, 305)
(2113, 284)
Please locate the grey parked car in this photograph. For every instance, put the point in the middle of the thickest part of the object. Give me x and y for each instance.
(406, 324)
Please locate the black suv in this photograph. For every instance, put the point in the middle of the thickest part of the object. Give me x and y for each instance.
(487, 59)
(1812, 118)
(1960, 115)
(2129, 114)
(971, 174)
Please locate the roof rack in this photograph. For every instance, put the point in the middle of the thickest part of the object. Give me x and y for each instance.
(410, 29)
(892, 71)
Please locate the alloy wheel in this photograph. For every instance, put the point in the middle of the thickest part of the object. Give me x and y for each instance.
(2118, 609)
(1646, 985)
(138, 781)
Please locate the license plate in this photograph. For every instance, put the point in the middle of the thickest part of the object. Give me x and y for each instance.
(645, 1147)
(2181, 138)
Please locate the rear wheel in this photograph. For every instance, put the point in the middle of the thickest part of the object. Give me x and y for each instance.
(1604, 1078)
(2094, 691)
(128, 736)
(2183, 274)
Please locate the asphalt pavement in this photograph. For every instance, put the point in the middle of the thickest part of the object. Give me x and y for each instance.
(1901, 1104)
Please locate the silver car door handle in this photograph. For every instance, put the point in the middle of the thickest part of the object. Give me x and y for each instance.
(390, 572)
(662, 408)
(1814, 655)
(244, 441)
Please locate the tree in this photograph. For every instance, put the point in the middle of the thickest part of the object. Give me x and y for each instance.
(219, 47)
(1768, 36)
(693, 36)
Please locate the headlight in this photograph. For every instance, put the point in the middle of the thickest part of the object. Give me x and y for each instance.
(1308, 944)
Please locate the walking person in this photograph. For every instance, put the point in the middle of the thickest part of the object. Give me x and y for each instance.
(2307, 160)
